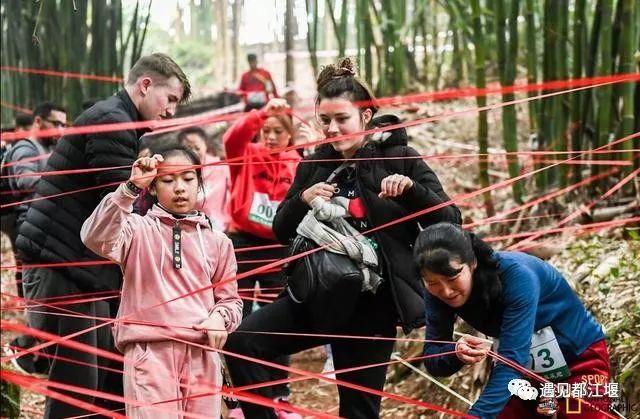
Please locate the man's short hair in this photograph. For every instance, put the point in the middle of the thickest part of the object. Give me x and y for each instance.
(160, 67)
(252, 57)
(43, 110)
(23, 120)
(182, 135)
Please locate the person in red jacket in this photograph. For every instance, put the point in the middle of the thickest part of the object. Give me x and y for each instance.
(258, 185)
(256, 85)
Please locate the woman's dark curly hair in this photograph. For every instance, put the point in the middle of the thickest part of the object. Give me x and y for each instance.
(340, 79)
(440, 243)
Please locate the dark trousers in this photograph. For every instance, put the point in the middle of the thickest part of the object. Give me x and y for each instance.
(374, 316)
(41, 283)
(266, 281)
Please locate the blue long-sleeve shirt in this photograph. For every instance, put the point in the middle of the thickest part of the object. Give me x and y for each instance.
(534, 295)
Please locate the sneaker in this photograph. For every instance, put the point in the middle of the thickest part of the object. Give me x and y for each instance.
(328, 367)
(29, 363)
(235, 413)
(25, 364)
(283, 414)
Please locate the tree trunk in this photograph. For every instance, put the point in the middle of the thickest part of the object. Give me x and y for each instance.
(481, 100)
(627, 65)
(288, 41)
(563, 109)
(312, 34)
(604, 93)
(579, 38)
(507, 56)
(237, 18)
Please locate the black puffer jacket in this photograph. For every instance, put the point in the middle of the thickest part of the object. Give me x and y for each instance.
(396, 242)
(51, 230)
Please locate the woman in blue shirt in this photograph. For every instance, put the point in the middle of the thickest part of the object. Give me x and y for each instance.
(522, 302)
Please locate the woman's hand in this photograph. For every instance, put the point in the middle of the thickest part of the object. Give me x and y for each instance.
(394, 185)
(321, 189)
(308, 133)
(144, 170)
(470, 350)
(216, 332)
(276, 106)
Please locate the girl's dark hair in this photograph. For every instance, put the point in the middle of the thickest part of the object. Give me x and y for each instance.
(182, 135)
(339, 79)
(176, 149)
(438, 244)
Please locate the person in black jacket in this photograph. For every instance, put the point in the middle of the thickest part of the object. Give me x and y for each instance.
(51, 230)
(378, 191)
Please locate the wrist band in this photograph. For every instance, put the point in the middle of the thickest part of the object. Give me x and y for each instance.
(133, 188)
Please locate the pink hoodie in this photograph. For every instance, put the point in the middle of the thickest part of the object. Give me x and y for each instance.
(142, 246)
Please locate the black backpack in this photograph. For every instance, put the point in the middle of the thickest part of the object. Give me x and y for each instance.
(9, 195)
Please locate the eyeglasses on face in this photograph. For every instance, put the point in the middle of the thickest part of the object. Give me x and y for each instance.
(55, 123)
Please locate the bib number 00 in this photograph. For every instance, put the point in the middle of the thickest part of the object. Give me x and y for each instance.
(263, 210)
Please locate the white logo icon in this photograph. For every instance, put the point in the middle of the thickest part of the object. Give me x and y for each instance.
(522, 389)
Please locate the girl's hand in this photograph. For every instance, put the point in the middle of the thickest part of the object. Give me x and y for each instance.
(276, 106)
(144, 170)
(469, 349)
(394, 185)
(216, 332)
(308, 134)
(321, 189)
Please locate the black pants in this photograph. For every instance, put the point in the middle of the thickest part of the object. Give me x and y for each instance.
(267, 281)
(374, 316)
(45, 283)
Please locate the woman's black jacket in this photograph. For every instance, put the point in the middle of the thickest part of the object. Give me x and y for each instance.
(396, 241)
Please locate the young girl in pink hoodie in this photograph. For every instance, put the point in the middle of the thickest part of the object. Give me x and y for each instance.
(167, 257)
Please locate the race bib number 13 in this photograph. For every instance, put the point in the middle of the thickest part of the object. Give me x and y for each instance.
(263, 209)
(545, 356)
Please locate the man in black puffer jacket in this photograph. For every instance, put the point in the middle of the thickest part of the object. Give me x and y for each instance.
(51, 230)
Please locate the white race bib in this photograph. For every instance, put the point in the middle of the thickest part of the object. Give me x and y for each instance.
(257, 98)
(263, 209)
(545, 356)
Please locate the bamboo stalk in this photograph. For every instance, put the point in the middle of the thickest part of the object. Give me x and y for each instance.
(627, 65)
(532, 61)
(604, 93)
(507, 56)
(577, 125)
(433, 380)
(483, 125)
(312, 34)
(562, 108)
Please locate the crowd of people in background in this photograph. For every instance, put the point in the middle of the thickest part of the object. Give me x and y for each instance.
(182, 214)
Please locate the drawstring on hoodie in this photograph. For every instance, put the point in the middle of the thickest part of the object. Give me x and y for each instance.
(204, 255)
(164, 249)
